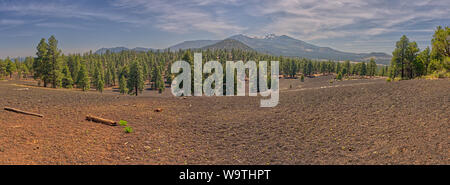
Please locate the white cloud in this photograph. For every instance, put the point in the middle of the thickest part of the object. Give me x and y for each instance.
(60, 25)
(321, 19)
(316, 21)
(62, 9)
(10, 22)
(183, 16)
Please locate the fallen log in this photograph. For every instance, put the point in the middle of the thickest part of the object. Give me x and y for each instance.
(101, 120)
(23, 112)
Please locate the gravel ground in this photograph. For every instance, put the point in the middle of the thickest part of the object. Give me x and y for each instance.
(360, 121)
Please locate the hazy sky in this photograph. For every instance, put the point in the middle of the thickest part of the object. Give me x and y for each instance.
(346, 25)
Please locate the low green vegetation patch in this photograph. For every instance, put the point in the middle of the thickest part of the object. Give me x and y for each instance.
(127, 128)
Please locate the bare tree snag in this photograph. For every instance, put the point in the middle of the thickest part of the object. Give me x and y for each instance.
(101, 120)
(23, 112)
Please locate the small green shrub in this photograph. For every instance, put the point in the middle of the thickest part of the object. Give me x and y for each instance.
(388, 79)
(128, 130)
(123, 123)
(302, 78)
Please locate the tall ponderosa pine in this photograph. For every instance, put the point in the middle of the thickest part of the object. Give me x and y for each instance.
(54, 62)
(40, 62)
(99, 77)
(399, 55)
(413, 67)
(404, 59)
(135, 78)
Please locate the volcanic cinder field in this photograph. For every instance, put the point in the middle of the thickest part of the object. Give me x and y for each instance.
(360, 121)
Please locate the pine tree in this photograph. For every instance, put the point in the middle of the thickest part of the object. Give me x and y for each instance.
(74, 65)
(54, 59)
(108, 77)
(399, 55)
(363, 69)
(338, 68)
(372, 67)
(100, 83)
(2, 69)
(25, 71)
(67, 81)
(159, 80)
(83, 81)
(170, 77)
(123, 85)
(346, 69)
(99, 77)
(413, 66)
(135, 78)
(10, 67)
(19, 68)
(425, 58)
(40, 62)
(440, 45)
(308, 68)
(113, 76)
(145, 71)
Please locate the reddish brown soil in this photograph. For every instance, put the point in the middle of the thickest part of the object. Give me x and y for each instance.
(367, 121)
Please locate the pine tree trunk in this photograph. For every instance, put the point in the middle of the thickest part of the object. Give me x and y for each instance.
(402, 70)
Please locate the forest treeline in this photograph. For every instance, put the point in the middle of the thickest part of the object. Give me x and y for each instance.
(409, 62)
(131, 70)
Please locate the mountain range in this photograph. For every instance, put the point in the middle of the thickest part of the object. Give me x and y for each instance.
(228, 44)
(271, 44)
